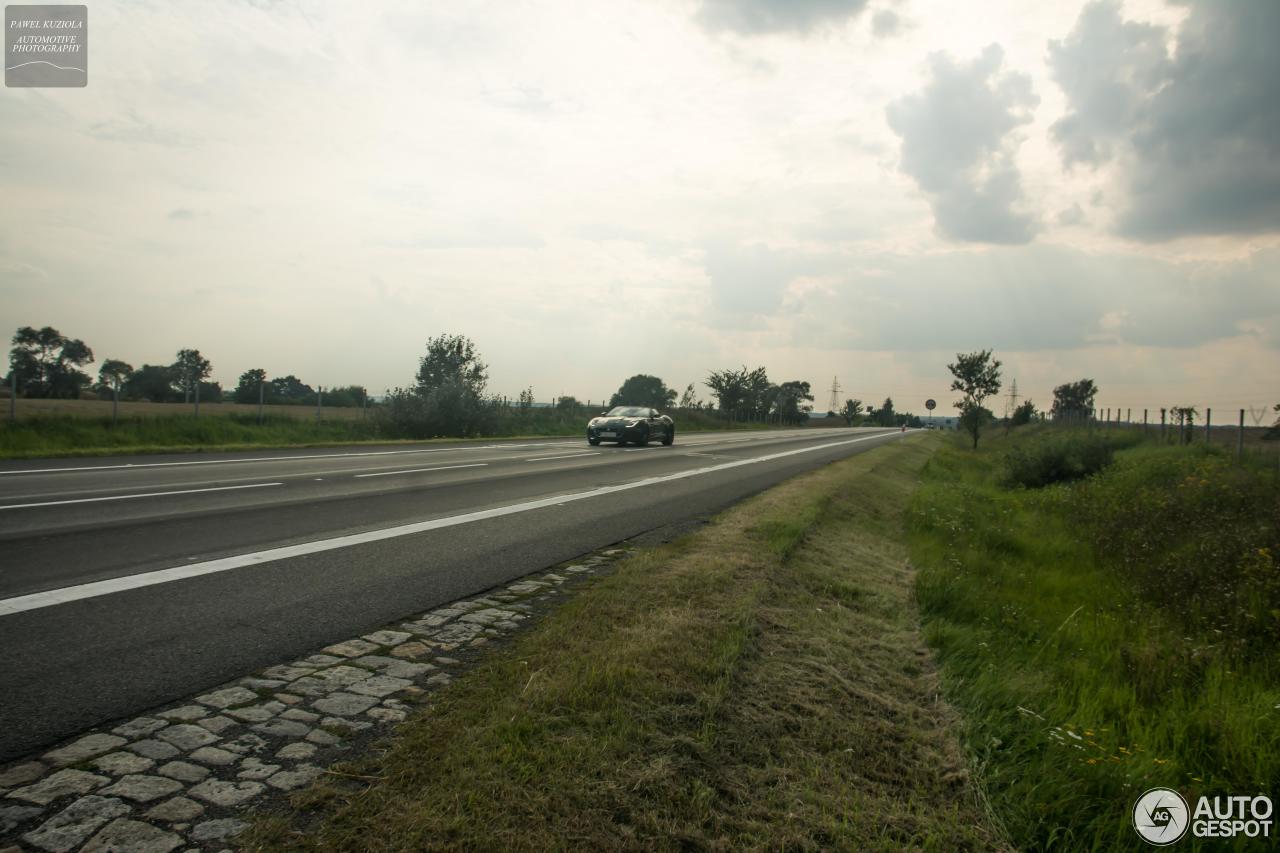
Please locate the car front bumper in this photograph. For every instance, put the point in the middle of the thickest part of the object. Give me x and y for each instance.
(610, 432)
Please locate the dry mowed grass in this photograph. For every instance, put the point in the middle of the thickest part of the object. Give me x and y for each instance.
(35, 408)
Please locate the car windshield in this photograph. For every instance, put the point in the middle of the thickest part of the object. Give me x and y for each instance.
(628, 412)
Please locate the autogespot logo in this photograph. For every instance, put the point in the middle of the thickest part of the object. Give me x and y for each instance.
(1160, 816)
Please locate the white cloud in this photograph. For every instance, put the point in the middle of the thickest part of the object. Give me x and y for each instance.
(956, 143)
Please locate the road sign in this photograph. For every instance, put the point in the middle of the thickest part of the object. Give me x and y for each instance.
(930, 404)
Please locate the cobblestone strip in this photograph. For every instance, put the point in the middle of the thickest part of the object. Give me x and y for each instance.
(184, 776)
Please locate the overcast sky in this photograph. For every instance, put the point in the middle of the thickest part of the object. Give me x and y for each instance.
(852, 188)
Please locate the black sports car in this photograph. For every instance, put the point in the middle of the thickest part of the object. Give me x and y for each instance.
(631, 423)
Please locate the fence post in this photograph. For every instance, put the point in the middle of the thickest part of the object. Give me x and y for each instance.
(13, 396)
(115, 401)
(1144, 421)
(364, 406)
(1208, 421)
(197, 397)
(319, 400)
(1240, 437)
(1162, 425)
(261, 394)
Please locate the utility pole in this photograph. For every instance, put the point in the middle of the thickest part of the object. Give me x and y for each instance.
(835, 394)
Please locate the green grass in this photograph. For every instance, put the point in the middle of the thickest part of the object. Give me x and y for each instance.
(759, 684)
(77, 435)
(1107, 636)
(81, 436)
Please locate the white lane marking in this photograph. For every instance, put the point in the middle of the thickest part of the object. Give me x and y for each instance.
(34, 601)
(147, 495)
(570, 456)
(132, 465)
(423, 470)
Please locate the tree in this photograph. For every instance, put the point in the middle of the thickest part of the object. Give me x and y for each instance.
(448, 396)
(345, 396)
(977, 377)
(113, 374)
(189, 370)
(452, 362)
(885, 415)
(46, 363)
(729, 387)
(851, 412)
(567, 404)
(211, 392)
(1185, 418)
(290, 389)
(1023, 414)
(1074, 400)
(760, 393)
(248, 385)
(525, 402)
(644, 390)
(791, 403)
(154, 382)
(689, 399)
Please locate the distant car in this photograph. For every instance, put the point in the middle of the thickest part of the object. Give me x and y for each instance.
(631, 423)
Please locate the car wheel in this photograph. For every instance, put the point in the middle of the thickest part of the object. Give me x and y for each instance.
(643, 440)
(670, 437)
(593, 441)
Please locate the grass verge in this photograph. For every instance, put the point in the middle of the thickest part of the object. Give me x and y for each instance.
(1105, 636)
(82, 435)
(760, 683)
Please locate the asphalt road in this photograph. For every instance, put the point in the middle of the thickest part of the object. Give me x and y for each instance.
(129, 582)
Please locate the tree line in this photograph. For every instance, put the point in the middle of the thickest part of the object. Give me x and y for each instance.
(44, 363)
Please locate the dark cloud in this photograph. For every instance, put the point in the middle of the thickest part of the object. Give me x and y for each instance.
(886, 23)
(1073, 215)
(1037, 297)
(750, 279)
(955, 143)
(749, 282)
(757, 17)
(1196, 134)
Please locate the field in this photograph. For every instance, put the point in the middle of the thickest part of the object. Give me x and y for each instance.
(36, 408)
(1107, 614)
(84, 427)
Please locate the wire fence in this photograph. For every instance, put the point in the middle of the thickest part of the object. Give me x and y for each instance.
(1239, 430)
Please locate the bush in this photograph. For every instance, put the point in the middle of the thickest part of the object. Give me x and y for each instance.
(1059, 458)
(1199, 537)
(450, 410)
